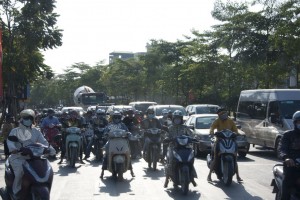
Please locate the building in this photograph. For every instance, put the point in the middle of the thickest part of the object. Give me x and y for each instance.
(123, 55)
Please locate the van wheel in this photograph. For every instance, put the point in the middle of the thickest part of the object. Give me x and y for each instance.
(242, 154)
(277, 146)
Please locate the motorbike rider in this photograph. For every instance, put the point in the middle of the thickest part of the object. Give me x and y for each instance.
(221, 123)
(150, 122)
(50, 121)
(6, 128)
(26, 134)
(116, 123)
(132, 124)
(289, 150)
(98, 121)
(176, 129)
(74, 120)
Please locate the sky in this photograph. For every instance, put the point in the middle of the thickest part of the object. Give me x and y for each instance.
(94, 28)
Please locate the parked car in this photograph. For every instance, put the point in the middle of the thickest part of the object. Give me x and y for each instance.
(200, 124)
(93, 108)
(142, 105)
(158, 110)
(202, 109)
(77, 108)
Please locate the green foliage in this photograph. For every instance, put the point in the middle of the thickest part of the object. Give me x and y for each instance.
(246, 50)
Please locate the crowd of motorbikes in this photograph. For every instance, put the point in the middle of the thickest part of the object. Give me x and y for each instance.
(123, 147)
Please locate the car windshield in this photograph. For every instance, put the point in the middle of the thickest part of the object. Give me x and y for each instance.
(204, 122)
(159, 110)
(288, 108)
(143, 106)
(206, 110)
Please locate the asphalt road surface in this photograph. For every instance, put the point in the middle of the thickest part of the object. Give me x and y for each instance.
(83, 182)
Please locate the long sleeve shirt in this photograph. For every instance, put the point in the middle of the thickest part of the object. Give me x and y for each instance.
(290, 145)
(223, 124)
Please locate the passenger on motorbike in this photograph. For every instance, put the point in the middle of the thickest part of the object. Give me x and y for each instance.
(73, 120)
(98, 121)
(176, 129)
(165, 121)
(221, 123)
(130, 121)
(150, 122)
(50, 121)
(289, 150)
(116, 123)
(26, 134)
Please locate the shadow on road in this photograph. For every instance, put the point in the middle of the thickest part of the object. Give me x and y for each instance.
(65, 170)
(235, 191)
(154, 175)
(115, 188)
(264, 153)
(176, 193)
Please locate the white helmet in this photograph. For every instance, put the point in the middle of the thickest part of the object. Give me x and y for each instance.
(27, 113)
(296, 116)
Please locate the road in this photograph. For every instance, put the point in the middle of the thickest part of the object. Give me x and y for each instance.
(83, 182)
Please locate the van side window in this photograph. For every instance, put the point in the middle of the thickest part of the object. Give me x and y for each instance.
(252, 110)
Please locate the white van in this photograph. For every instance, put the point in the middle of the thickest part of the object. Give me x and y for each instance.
(265, 114)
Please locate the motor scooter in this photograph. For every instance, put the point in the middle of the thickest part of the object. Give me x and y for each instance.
(53, 136)
(180, 162)
(278, 173)
(153, 151)
(226, 151)
(38, 174)
(99, 141)
(73, 144)
(118, 154)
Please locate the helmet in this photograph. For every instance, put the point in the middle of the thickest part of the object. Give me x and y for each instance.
(164, 111)
(177, 113)
(50, 111)
(116, 114)
(296, 116)
(100, 112)
(27, 113)
(130, 111)
(150, 110)
(220, 110)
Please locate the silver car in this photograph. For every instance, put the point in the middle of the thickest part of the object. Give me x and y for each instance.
(200, 124)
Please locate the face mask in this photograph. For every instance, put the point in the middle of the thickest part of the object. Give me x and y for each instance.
(224, 116)
(27, 122)
(151, 116)
(177, 121)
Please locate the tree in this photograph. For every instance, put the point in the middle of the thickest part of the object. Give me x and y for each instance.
(29, 26)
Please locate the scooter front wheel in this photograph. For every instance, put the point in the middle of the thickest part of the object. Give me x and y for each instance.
(73, 156)
(227, 173)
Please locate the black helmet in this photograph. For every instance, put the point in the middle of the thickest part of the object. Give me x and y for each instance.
(150, 110)
(50, 111)
(221, 110)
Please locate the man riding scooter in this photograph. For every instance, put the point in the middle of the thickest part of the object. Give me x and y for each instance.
(115, 124)
(289, 151)
(26, 134)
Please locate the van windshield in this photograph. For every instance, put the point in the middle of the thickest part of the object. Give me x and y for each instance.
(288, 108)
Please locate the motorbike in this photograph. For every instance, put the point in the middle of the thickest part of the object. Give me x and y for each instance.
(179, 167)
(226, 151)
(38, 174)
(135, 145)
(118, 154)
(53, 136)
(99, 142)
(73, 145)
(153, 151)
(88, 135)
(278, 178)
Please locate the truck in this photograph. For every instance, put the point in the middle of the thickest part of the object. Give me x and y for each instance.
(85, 96)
